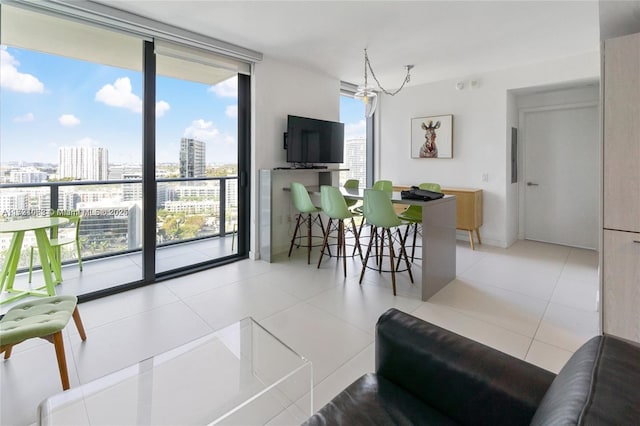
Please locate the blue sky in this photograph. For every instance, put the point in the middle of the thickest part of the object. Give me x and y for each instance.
(48, 101)
(352, 115)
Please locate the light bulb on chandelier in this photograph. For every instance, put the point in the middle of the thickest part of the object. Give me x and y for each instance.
(368, 93)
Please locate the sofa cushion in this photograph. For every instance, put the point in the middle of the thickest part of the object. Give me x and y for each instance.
(597, 386)
(465, 380)
(373, 400)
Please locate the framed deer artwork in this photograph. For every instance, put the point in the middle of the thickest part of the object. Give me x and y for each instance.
(432, 137)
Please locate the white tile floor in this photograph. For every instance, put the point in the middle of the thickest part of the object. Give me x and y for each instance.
(534, 301)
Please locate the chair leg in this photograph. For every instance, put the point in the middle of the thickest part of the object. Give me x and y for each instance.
(342, 244)
(79, 325)
(62, 361)
(357, 238)
(31, 264)
(7, 351)
(325, 241)
(381, 252)
(295, 232)
(391, 262)
(406, 235)
(80, 254)
(366, 257)
(322, 229)
(309, 223)
(403, 253)
(413, 249)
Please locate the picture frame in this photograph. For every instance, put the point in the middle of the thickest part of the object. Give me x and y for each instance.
(432, 136)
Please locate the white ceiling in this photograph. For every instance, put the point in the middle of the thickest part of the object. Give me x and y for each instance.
(443, 39)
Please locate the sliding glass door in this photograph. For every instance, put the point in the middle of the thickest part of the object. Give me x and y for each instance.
(71, 138)
(196, 162)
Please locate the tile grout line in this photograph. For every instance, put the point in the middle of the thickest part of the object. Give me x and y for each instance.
(548, 304)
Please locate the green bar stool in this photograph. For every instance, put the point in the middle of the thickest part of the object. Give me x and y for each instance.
(379, 185)
(44, 318)
(307, 212)
(335, 206)
(413, 215)
(379, 213)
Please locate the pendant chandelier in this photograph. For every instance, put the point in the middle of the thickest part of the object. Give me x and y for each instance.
(368, 93)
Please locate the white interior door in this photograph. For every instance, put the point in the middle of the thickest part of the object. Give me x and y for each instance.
(561, 183)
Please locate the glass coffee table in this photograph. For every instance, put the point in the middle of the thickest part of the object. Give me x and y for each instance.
(241, 374)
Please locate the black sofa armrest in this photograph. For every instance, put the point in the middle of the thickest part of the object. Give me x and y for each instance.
(465, 380)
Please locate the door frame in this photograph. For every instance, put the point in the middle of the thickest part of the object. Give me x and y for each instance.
(522, 142)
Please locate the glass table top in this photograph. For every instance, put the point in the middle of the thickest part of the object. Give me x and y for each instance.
(241, 374)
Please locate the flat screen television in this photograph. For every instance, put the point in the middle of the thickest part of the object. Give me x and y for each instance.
(310, 141)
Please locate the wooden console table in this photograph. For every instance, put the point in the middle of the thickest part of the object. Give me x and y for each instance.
(468, 210)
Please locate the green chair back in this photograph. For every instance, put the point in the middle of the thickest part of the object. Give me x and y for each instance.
(414, 213)
(378, 209)
(351, 184)
(74, 219)
(301, 200)
(333, 203)
(435, 187)
(383, 185)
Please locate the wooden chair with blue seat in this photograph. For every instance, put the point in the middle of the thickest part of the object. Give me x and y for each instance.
(413, 215)
(58, 240)
(41, 318)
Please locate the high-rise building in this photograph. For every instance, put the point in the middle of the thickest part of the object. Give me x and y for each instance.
(192, 158)
(28, 175)
(355, 159)
(83, 162)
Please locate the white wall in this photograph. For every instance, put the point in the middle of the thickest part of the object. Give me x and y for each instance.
(281, 89)
(483, 118)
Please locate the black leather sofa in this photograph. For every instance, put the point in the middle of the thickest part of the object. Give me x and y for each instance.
(426, 375)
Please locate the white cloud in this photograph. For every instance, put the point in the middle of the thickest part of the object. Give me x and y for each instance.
(356, 130)
(68, 120)
(14, 80)
(226, 89)
(231, 111)
(119, 95)
(28, 117)
(202, 131)
(161, 108)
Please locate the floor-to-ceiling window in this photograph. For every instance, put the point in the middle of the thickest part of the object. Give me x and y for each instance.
(356, 152)
(71, 130)
(149, 146)
(196, 160)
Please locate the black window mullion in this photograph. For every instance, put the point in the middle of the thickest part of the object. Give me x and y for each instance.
(149, 190)
(244, 161)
